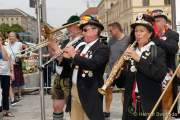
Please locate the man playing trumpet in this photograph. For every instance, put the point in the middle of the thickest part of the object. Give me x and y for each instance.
(88, 66)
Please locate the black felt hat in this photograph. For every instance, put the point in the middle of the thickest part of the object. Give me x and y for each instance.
(145, 20)
(72, 19)
(159, 13)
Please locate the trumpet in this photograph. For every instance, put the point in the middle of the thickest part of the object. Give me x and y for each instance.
(61, 53)
(115, 70)
(51, 59)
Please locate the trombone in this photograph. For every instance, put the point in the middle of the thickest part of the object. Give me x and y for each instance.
(48, 33)
(162, 95)
(48, 30)
(39, 46)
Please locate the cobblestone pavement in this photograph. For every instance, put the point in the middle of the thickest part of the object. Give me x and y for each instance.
(29, 108)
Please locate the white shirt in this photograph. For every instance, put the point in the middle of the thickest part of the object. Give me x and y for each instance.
(71, 42)
(139, 52)
(13, 49)
(144, 48)
(84, 51)
(5, 65)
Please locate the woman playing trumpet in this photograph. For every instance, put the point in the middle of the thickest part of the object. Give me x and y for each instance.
(145, 69)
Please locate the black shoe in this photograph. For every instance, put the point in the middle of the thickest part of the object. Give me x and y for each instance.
(107, 115)
(15, 102)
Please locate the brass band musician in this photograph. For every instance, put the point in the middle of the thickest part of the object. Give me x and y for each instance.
(144, 72)
(167, 39)
(88, 66)
(60, 89)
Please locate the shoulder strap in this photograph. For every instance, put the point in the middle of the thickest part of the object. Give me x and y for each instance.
(12, 50)
(153, 50)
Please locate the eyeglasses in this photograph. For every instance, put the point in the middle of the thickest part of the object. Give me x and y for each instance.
(87, 18)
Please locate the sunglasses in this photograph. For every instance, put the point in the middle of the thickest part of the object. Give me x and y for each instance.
(87, 29)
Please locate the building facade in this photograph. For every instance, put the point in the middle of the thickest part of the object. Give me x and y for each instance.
(90, 11)
(17, 16)
(125, 11)
(103, 11)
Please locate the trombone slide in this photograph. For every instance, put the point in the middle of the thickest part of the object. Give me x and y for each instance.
(174, 103)
(163, 93)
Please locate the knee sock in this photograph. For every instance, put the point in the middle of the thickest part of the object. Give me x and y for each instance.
(58, 116)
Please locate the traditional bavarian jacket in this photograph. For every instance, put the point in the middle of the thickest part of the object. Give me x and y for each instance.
(169, 43)
(89, 78)
(146, 76)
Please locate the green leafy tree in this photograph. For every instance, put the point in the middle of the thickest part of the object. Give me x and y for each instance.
(16, 28)
(4, 28)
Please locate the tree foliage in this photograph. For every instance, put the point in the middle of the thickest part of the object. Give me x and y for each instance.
(5, 28)
(16, 28)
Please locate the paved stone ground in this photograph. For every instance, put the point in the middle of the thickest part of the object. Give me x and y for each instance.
(29, 108)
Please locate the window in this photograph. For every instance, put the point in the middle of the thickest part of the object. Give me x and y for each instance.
(12, 19)
(167, 2)
(125, 5)
(111, 5)
(145, 2)
(130, 3)
(2, 19)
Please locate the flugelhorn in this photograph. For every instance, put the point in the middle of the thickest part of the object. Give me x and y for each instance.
(115, 70)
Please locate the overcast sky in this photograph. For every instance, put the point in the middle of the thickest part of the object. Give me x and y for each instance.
(58, 11)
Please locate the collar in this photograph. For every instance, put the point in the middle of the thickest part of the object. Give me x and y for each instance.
(92, 43)
(144, 48)
(88, 46)
(73, 41)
